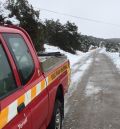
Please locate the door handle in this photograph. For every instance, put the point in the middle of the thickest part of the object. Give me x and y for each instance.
(20, 107)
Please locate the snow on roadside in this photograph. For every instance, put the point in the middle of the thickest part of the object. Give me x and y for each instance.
(79, 64)
(77, 76)
(114, 56)
(77, 68)
(73, 58)
(103, 50)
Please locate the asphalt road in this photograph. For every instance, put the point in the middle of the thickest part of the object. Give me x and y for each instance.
(95, 104)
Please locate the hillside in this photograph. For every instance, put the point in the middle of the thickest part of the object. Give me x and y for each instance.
(114, 40)
(65, 36)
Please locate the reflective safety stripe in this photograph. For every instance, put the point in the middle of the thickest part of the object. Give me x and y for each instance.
(38, 89)
(8, 113)
(27, 97)
(21, 99)
(12, 109)
(33, 92)
(69, 76)
(3, 117)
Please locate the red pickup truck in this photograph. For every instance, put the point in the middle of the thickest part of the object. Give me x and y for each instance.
(32, 87)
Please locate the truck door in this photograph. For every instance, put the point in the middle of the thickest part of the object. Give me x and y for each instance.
(33, 81)
(13, 114)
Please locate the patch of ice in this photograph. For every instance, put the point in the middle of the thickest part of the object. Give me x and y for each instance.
(97, 59)
(91, 89)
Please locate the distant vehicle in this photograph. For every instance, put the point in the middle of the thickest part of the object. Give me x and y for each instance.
(32, 87)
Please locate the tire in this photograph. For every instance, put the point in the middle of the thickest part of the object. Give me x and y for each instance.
(57, 117)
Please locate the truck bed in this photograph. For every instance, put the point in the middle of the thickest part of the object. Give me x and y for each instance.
(50, 62)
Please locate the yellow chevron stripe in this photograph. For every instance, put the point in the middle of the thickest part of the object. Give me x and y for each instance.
(33, 93)
(21, 99)
(3, 117)
(57, 73)
(43, 85)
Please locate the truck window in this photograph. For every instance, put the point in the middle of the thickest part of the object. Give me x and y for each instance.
(21, 55)
(7, 81)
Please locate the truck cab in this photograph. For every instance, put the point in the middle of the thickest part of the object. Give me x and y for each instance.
(32, 87)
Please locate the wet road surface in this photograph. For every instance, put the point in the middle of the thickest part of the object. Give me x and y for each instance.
(95, 104)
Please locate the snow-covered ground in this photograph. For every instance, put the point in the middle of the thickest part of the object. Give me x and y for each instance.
(73, 58)
(114, 56)
(79, 64)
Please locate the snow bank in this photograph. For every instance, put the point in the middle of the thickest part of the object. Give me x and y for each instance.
(114, 56)
(78, 70)
(78, 73)
(73, 58)
(79, 64)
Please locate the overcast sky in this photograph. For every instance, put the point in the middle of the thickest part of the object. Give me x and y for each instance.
(103, 10)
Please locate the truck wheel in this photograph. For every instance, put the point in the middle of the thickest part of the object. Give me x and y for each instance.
(56, 122)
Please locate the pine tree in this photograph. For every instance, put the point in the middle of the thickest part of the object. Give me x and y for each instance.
(28, 17)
